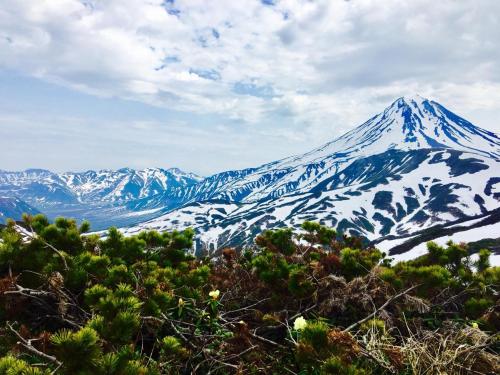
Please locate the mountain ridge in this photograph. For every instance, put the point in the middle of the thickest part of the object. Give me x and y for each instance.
(103, 196)
(409, 166)
(353, 182)
(106, 183)
(14, 208)
(311, 167)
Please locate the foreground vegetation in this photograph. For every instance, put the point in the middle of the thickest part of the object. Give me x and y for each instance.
(307, 303)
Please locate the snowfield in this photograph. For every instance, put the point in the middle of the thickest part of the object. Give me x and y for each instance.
(412, 167)
(475, 234)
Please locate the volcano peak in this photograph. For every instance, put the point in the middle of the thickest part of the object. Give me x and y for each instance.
(413, 98)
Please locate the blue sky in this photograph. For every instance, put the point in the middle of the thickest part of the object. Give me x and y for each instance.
(211, 86)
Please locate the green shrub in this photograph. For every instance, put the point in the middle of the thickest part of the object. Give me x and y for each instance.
(10, 365)
(316, 335)
(356, 262)
(79, 351)
(318, 234)
(277, 241)
(483, 262)
(298, 283)
(475, 307)
(171, 346)
(389, 275)
(142, 305)
(335, 366)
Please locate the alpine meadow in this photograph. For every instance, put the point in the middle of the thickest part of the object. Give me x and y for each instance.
(252, 187)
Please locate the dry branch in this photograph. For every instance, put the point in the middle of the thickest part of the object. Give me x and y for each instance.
(27, 345)
(396, 296)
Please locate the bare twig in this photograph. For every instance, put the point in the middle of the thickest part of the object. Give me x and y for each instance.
(359, 322)
(27, 345)
(188, 342)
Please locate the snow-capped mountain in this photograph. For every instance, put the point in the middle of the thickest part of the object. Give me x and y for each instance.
(38, 187)
(13, 208)
(45, 187)
(127, 184)
(101, 196)
(413, 166)
(410, 123)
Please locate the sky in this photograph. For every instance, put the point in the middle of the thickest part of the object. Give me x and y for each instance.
(208, 86)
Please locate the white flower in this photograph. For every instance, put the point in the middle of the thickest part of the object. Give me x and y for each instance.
(299, 324)
(214, 294)
(181, 302)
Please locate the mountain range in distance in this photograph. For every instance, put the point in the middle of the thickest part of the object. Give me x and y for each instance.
(105, 197)
(415, 170)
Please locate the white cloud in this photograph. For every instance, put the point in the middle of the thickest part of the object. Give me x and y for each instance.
(321, 66)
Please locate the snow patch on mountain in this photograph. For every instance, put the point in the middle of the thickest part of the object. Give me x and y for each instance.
(105, 197)
(409, 123)
(13, 208)
(413, 166)
(470, 235)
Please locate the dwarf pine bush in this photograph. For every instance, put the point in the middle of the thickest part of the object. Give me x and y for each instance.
(313, 302)
(11, 365)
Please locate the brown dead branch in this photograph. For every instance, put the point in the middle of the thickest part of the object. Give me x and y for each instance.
(26, 344)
